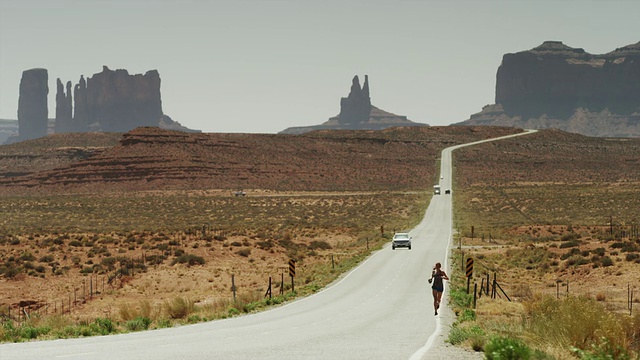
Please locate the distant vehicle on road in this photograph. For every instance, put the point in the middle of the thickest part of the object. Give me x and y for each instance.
(401, 240)
(447, 192)
(436, 189)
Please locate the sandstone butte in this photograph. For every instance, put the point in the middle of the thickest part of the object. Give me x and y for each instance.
(557, 86)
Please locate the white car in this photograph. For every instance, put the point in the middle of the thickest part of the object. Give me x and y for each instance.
(401, 240)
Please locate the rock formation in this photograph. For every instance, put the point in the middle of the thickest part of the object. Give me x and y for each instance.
(554, 85)
(120, 102)
(110, 101)
(81, 107)
(115, 101)
(64, 108)
(355, 108)
(357, 113)
(32, 104)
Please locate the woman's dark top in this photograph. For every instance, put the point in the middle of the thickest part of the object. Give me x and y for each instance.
(437, 281)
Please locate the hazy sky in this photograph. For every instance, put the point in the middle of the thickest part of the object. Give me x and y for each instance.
(263, 66)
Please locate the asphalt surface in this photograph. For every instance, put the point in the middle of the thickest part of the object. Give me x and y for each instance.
(383, 309)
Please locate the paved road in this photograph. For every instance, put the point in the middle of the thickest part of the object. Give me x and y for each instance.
(383, 309)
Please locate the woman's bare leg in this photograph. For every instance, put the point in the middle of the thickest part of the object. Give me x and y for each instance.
(437, 295)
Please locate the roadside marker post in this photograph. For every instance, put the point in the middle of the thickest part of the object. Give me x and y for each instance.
(292, 272)
(469, 272)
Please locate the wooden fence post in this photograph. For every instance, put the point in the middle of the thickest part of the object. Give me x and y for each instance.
(268, 289)
(493, 290)
(487, 289)
(475, 294)
(233, 287)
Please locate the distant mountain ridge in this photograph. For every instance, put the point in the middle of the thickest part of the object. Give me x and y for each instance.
(557, 86)
(8, 128)
(357, 113)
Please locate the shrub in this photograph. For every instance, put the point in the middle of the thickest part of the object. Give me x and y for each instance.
(606, 261)
(458, 334)
(188, 259)
(10, 271)
(323, 245)
(467, 315)
(179, 308)
(163, 323)
(244, 252)
(105, 326)
(625, 246)
(265, 245)
(194, 319)
(178, 252)
(577, 260)
(27, 256)
(569, 244)
(460, 298)
(109, 262)
(632, 256)
(506, 348)
(138, 324)
(233, 311)
(32, 332)
(602, 350)
(75, 243)
(570, 253)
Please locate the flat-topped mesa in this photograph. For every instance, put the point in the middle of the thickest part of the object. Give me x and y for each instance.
(32, 104)
(556, 86)
(111, 101)
(554, 80)
(119, 102)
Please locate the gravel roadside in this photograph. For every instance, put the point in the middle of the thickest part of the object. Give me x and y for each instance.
(441, 349)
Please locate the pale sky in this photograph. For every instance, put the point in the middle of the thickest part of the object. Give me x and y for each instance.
(263, 66)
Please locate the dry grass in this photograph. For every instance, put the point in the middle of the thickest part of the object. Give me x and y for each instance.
(541, 207)
(138, 277)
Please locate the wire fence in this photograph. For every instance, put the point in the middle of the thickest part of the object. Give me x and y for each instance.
(98, 281)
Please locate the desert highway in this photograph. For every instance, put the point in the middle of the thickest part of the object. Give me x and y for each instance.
(383, 309)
